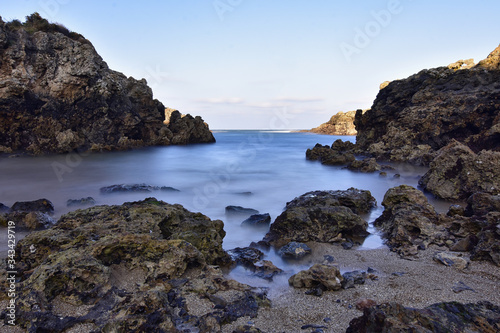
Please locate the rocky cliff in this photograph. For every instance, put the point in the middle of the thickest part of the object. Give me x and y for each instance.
(411, 119)
(341, 123)
(57, 95)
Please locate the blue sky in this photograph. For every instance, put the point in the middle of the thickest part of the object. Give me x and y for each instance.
(262, 64)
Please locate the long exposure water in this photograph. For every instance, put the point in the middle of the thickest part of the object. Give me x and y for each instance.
(255, 169)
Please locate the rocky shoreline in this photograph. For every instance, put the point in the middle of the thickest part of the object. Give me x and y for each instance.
(57, 95)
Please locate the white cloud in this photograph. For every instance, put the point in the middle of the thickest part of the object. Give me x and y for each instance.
(300, 99)
(228, 100)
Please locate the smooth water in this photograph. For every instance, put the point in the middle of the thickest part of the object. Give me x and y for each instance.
(254, 169)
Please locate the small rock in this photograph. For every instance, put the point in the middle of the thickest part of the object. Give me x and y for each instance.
(305, 327)
(455, 210)
(246, 256)
(352, 278)
(294, 250)
(265, 269)
(371, 270)
(460, 286)
(257, 220)
(81, 202)
(397, 175)
(238, 210)
(118, 188)
(398, 273)
(327, 276)
(246, 329)
(329, 259)
(41, 205)
(449, 259)
(347, 245)
(383, 174)
(327, 320)
(365, 303)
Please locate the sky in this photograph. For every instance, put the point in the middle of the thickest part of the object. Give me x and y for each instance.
(273, 64)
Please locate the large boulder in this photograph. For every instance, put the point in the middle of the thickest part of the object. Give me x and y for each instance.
(340, 153)
(57, 95)
(457, 172)
(321, 216)
(440, 317)
(409, 221)
(141, 266)
(411, 119)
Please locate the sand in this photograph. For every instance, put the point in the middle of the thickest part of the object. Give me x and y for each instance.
(423, 282)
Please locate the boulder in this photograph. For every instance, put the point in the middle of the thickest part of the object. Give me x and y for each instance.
(188, 129)
(257, 220)
(326, 276)
(365, 165)
(352, 278)
(340, 153)
(59, 96)
(294, 250)
(449, 259)
(265, 269)
(141, 266)
(40, 205)
(246, 256)
(409, 220)
(341, 123)
(457, 172)
(240, 211)
(411, 119)
(321, 216)
(439, 317)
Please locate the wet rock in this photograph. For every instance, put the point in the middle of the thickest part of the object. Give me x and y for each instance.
(119, 188)
(326, 276)
(480, 204)
(457, 172)
(449, 259)
(239, 211)
(265, 269)
(257, 220)
(187, 129)
(41, 205)
(365, 165)
(488, 246)
(439, 317)
(294, 250)
(347, 245)
(328, 259)
(335, 155)
(246, 256)
(352, 278)
(409, 221)
(465, 244)
(88, 201)
(359, 201)
(134, 267)
(411, 119)
(66, 98)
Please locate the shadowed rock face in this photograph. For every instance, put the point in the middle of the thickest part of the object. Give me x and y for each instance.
(440, 317)
(413, 118)
(57, 95)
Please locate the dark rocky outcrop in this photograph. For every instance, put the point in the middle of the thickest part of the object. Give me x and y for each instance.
(31, 215)
(88, 201)
(457, 172)
(294, 250)
(57, 95)
(411, 119)
(321, 216)
(340, 153)
(141, 266)
(440, 317)
(257, 220)
(187, 129)
(240, 211)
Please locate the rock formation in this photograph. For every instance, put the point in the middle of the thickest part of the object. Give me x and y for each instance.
(142, 266)
(321, 216)
(57, 95)
(440, 317)
(411, 119)
(341, 123)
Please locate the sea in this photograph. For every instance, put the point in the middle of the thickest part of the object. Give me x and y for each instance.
(257, 169)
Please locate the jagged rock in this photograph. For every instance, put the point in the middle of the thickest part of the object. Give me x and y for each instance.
(480, 204)
(40, 205)
(59, 96)
(240, 211)
(457, 172)
(321, 216)
(359, 201)
(265, 269)
(188, 129)
(88, 201)
(449, 259)
(439, 317)
(340, 153)
(462, 64)
(294, 250)
(135, 188)
(246, 256)
(326, 276)
(411, 119)
(341, 123)
(365, 165)
(4, 209)
(257, 220)
(134, 267)
(409, 220)
(352, 278)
